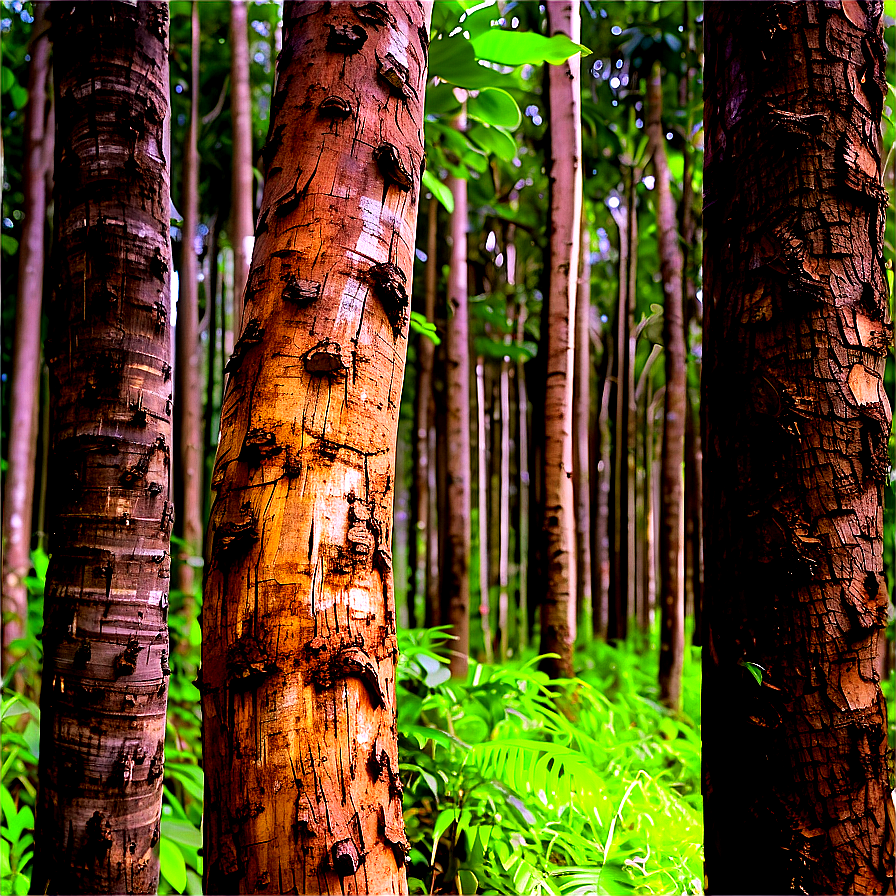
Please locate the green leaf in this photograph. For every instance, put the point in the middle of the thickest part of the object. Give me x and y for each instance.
(182, 832)
(522, 47)
(439, 190)
(753, 668)
(443, 822)
(468, 881)
(440, 100)
(495, 107)
(172, 865)
(7, 79)
(18, 96)
(493, 141)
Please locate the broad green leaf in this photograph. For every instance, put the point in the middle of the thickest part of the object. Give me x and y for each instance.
(440, 100)
(172, 865)
(493, 141)
(453, 59)
(468, 881)
(7, 79)
(182, 832)
(439, 190)
(753, 668)
(443, 822)
(496, 107)
(522, 47)
(18, 96)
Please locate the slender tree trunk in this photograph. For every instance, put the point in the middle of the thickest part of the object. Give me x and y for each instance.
(558, 604)
(482, 501)
(671, 513)
(425, 469)
(795, 446)
(582, 429)
(602, 508)
(504, 520)
(187, 396)
(23, 411)
(299, 643)
(105, 639)
(242, 218)
(455, 576)
(212, 415)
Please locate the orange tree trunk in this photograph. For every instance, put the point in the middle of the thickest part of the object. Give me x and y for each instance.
(558, 605)
(797, 796)
(299, 645)
(19, 477)
(105, 618)
(671, 526)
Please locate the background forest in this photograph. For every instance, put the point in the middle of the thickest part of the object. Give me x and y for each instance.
(517, 777)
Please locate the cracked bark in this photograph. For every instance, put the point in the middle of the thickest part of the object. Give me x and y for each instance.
(558, 605)
(299, 641)
(796, 423)
(105, 617)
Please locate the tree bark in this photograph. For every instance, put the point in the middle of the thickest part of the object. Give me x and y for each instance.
(795, 451)
(671, 513)
(299, 645)
(187, 396)
(482, 488)
(582, 429)
(242, 218)
(455, 576)
(105, 639)
(23, 399)
(603, 564)
(558, 605)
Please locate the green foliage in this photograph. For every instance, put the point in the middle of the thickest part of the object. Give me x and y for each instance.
(517, 784)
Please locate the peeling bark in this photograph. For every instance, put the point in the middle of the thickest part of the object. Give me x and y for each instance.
(105, 617)
(299, 643)
(558, 604)
(796, 424)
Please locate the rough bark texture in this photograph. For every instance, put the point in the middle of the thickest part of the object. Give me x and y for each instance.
(558, 604)
(23, 404)
(299, 648)
(187, 395)
(105, 678)
(455, 575)
(242, 219)
(797, 798)
(582, 428)
(671, 521)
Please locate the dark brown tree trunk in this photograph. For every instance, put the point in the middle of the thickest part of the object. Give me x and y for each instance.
(242, 219)
(187, 396)
(796, 779)
(558, 603)
(671, 519)
(105, 672)
(23, 410)
(455, 574)
(299, 646)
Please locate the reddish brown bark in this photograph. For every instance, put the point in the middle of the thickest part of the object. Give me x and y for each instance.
(671, 521)
(105, 618)
(23, 410)
(242, 219)
(299, 648)
(797, 796)
(558, 604)
(455, 574)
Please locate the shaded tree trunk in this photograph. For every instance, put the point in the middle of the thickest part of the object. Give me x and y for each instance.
(455, 574)
(602, 564)
(558, 604)
(299, 644)
(23, 400)
(582, 429)
(482, 488)
(242, 218)
(105, 638)
(795, 451)
(671, 516)
(187, 395)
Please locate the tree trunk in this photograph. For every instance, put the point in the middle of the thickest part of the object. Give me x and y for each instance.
(242, 219)
(187, 400)
(582, 428)
(105, 673)
(299, 645)
(23, 411)
(455, 577)
(482, 483)
(600, 618)
(671, 514)
(795, 448)
(558, 604)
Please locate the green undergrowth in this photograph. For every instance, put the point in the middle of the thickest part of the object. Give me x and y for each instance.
(518, 784)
